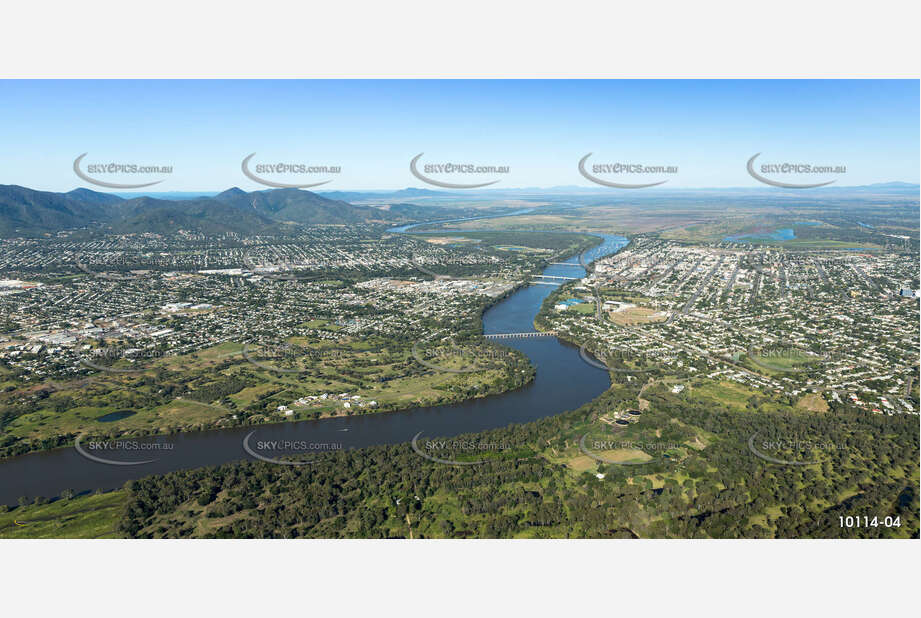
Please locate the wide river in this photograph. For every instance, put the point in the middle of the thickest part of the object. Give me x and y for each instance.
(563, 382)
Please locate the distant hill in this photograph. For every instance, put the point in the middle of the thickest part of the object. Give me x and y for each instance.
(27, 212)
(207, 216)
(304, 207)
(92, 197)
(413, 192)
(408, 193)
(893, 185)
(420, 212)
(176, 196)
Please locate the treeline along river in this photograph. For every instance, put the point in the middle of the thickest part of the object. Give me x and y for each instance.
(563, 382)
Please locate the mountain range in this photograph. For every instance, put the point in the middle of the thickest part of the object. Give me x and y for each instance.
(27, 212)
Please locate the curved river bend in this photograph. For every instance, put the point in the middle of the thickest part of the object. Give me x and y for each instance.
(563, 382)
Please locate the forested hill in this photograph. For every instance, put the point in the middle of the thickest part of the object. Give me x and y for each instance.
(27, 212)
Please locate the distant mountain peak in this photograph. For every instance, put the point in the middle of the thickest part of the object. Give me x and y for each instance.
(93, 197)
(894, 185)
(300, 206)
(230, 193)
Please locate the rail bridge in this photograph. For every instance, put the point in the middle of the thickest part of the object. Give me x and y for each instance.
(520, 335)
(555, 277)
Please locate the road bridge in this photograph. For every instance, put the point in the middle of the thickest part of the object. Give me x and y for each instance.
(519, 335)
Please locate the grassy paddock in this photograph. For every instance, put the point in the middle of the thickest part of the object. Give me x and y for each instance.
(85, 517)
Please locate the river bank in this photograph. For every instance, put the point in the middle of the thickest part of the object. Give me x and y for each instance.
(562, 382)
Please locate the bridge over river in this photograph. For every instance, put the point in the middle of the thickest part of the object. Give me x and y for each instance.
(520, 335)
(562, 382)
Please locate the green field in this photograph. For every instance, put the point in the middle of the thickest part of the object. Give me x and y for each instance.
(219, 386)
(84, 517)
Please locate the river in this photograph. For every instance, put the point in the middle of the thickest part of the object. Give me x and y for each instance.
(563, 382)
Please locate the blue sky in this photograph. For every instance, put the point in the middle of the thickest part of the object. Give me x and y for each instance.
(540, 129)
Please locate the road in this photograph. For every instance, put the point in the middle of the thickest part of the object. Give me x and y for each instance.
(698, 291)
